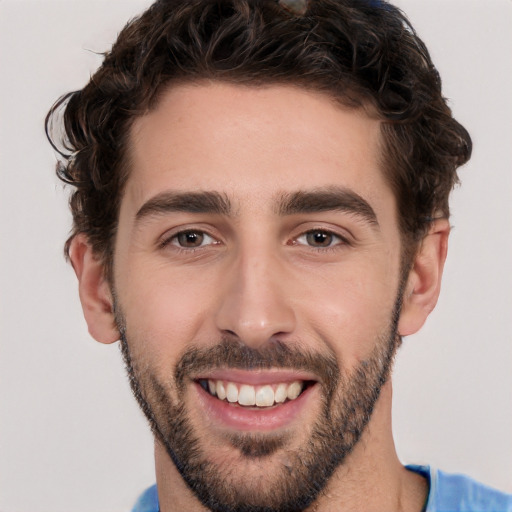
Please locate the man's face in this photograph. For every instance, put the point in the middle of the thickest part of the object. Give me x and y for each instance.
(258, 282)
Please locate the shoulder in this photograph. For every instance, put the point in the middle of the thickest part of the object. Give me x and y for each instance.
(459, 493)
(148, 501)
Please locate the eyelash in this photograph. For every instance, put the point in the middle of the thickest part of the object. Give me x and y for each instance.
(341, 240)
(336, 245)
(170, 239)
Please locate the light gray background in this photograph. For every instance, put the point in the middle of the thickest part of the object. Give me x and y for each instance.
(71, 437)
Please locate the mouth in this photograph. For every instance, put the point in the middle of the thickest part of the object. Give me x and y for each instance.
(257, 396)
(239, 400)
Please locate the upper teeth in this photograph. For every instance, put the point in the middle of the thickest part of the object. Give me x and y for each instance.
(261, 396)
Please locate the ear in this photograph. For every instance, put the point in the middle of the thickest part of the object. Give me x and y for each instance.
(424, 280)
(94, 290)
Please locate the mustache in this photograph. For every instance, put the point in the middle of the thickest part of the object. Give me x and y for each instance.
(233, 353)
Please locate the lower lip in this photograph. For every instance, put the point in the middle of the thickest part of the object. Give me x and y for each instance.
(237, 417)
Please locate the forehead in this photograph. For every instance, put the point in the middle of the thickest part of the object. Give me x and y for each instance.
(251, 144)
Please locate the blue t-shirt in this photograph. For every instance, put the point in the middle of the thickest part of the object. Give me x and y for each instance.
(148, 501)
(459, 493)
(448, 493)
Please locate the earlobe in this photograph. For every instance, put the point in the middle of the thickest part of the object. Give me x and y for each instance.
(424, 280)
(94, 290)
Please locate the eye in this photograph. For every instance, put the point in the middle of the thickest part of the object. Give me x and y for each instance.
(191, 239)
(320, 239)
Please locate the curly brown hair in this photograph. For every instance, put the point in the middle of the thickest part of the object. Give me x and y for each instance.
(364, 53)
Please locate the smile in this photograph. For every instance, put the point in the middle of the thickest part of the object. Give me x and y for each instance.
(248, 395)
(257, 401)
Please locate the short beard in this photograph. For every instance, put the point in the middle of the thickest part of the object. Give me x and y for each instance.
(347, 405)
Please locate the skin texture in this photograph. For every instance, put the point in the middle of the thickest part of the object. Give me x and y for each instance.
(269, 271)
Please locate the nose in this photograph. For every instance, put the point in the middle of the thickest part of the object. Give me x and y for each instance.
(254, 306)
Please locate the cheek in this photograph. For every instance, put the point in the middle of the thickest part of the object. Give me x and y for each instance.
(351, 311)
(165, 311)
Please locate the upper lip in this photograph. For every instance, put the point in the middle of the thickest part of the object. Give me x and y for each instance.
(258, 377)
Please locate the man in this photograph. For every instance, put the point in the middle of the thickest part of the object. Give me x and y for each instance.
(261, 213)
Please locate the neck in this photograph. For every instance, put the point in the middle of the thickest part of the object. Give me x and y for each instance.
(371, 477)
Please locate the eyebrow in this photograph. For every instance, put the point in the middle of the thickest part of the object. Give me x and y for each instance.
(188, 202)
(314, 201)
(327, 199)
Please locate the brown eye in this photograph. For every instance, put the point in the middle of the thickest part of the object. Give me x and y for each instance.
(191, 239)
(319, 238)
